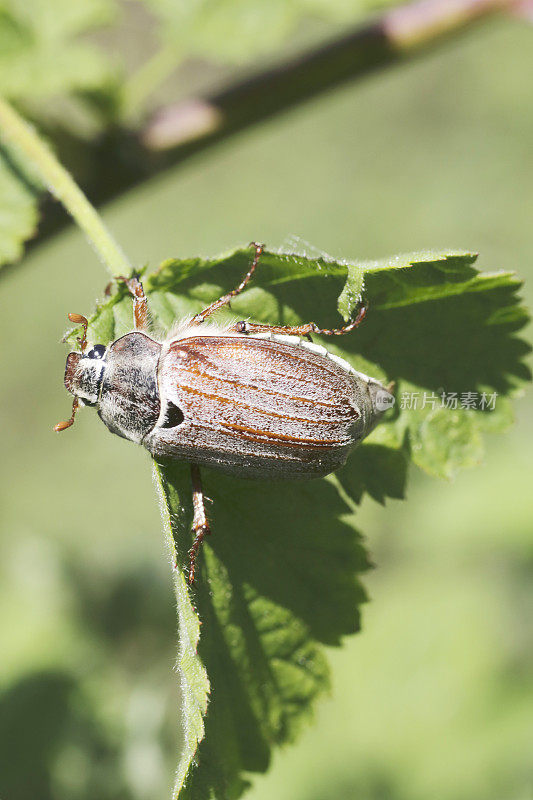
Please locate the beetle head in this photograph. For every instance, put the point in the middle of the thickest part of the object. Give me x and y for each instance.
(83, 372)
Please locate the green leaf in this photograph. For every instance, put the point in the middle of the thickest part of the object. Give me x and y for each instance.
(261, 600)
(40, 53)
(18, 208)
(280, 576)
(378, 468)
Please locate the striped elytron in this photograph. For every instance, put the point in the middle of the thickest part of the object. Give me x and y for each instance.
(254, 400)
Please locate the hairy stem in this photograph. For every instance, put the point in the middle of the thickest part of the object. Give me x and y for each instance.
(18, 135)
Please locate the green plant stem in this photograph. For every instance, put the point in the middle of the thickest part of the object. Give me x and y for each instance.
(22, 137)
(149, 77)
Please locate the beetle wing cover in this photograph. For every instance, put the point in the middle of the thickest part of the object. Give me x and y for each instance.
(259, 407)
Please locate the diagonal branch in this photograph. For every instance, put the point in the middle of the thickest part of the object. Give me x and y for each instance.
(122, 158)
(398, 35)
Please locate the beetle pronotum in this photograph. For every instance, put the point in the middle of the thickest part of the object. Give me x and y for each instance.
(249, 399)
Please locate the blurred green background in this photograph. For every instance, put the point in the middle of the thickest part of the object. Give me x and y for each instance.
(434, 698)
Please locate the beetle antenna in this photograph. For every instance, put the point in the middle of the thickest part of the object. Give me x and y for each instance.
(61, 426)
(78, 319)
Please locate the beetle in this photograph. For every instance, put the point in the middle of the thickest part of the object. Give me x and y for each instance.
(249, 399)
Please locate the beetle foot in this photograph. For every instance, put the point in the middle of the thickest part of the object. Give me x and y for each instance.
(201, 531)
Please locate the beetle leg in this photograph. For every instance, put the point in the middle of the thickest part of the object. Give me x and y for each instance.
(300, 330)
(140, 303)
(79, 319)
(200, 526)
(61, 426)
(225, 300)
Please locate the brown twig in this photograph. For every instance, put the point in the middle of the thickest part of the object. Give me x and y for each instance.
(123, 159)
(399, 34)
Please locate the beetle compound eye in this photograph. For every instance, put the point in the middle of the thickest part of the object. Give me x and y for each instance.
(98, 351)
(173, 417)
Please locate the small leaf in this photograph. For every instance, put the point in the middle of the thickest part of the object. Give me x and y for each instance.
(18, 208)
(39, 52)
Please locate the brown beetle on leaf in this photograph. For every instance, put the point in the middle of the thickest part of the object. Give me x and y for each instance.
(249, 399)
